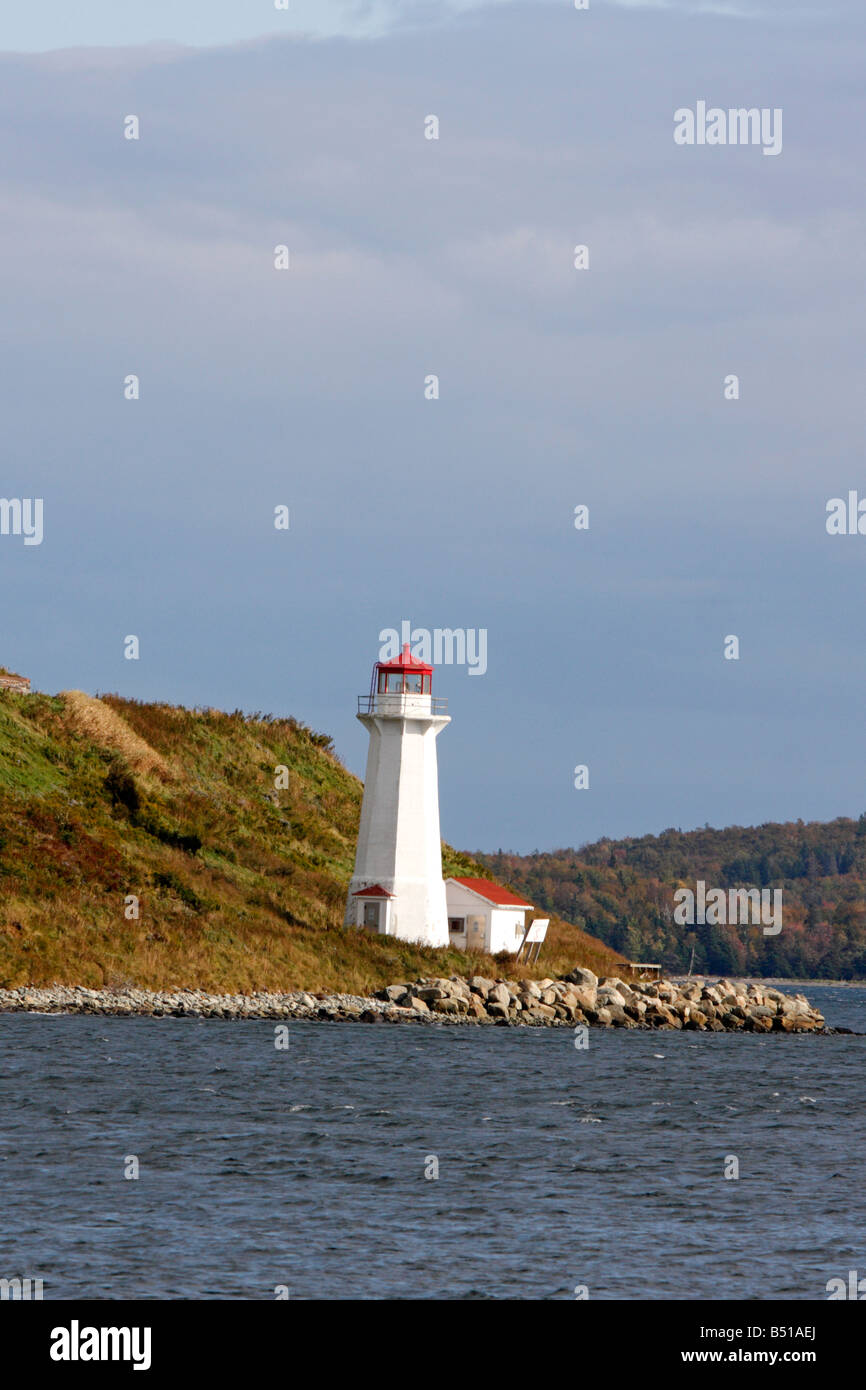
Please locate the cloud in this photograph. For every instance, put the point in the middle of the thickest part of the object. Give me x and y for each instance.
(454, 257)
(97, 34)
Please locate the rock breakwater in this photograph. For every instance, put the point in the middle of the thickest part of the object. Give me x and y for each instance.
(579, 998)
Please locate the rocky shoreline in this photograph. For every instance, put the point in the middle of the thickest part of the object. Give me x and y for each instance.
(578, 998)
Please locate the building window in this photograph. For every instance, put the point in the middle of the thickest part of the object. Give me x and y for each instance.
(457, 924)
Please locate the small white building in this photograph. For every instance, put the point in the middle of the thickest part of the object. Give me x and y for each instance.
(484, 917)
(372, 909)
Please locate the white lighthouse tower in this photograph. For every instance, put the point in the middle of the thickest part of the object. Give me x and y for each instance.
(397, 887)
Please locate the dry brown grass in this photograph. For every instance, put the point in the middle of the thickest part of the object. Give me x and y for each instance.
(68, 943)
(259, 903)
(99, 723)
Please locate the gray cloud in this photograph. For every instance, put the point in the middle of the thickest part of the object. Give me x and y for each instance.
(558, 387)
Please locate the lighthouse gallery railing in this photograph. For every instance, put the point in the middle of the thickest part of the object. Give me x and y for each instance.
(406, 703)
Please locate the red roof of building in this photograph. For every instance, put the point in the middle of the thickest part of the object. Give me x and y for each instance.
(501, 897)
(375, 892)
(404, 662)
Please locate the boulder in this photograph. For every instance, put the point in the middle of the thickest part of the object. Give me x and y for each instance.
(449, 1006)
(660, 1016)
(696, 1019)
(795, 1005)
(583, 978)
(544, 1011)
(599, 1016)
(459, 988)
(618, 1016)
(479, 984)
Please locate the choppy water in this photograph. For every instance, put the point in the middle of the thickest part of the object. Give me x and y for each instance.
(305, 1167)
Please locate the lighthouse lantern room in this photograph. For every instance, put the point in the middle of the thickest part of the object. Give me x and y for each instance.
(397, 887)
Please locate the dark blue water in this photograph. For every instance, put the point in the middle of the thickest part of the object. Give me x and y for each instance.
(305, 1167)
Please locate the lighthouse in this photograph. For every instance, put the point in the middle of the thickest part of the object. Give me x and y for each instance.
(397, 888)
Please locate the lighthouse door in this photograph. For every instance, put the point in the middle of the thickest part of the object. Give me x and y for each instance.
(371, 916)
(475, 928)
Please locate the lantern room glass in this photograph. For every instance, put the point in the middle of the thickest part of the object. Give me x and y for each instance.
(404, 682)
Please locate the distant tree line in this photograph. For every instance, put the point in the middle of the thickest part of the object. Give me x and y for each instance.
(622, 891)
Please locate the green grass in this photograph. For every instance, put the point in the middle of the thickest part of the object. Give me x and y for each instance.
(240, 887)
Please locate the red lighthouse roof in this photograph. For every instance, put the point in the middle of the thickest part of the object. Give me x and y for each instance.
(405, 662)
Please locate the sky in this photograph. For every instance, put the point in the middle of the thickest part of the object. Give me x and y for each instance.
(54, 24)
(558, 387)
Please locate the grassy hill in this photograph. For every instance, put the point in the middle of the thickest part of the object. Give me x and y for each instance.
(622, 892)
(240, 886)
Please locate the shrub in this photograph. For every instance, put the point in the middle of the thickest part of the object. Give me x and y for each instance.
(120, 785)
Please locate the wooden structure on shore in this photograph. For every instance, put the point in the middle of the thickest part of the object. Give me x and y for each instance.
(643, 970)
